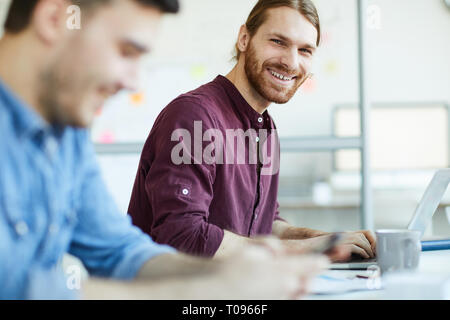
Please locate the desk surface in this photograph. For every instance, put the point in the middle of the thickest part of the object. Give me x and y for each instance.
(432, 264)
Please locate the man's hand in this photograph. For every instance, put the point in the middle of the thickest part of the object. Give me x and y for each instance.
(361, 243)
(306, 240)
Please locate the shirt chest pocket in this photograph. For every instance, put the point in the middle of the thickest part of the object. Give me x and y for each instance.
(25, 219)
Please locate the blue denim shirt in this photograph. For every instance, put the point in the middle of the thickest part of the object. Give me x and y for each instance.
(52, 201)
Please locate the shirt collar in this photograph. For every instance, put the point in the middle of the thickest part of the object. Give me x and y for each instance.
(26, 121)
(258, 120)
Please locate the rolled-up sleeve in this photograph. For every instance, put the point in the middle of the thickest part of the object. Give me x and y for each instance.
(104, 239)
(180, 194)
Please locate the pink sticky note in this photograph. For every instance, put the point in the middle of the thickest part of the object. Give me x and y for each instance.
(107, 137)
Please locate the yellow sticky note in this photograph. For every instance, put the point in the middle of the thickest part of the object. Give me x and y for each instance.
(137, 98)
(198, 72)
(331, 67)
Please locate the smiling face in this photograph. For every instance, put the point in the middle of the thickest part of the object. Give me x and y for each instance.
(278, 57)
(94, 63)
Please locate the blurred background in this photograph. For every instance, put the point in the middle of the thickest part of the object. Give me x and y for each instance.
(408, 80)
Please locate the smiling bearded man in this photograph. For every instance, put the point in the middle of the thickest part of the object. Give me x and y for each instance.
(210, 208)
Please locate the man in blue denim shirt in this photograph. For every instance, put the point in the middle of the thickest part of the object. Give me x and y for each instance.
(52, 197)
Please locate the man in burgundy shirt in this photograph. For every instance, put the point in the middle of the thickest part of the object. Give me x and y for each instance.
(207, 180)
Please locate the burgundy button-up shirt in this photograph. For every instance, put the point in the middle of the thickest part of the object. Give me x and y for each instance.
(188, 188)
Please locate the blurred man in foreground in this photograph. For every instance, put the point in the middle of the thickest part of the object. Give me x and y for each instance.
(52, 197)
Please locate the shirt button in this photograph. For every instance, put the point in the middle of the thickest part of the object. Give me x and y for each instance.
(21, 228)
(185, 192)
(53, 228)
(260, 119)
(52, 145)
(256, 216)
(257, 139)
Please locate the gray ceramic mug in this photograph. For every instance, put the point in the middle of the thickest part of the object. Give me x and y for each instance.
(398, 250)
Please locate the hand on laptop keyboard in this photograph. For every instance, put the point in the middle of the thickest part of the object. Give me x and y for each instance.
(361, 243)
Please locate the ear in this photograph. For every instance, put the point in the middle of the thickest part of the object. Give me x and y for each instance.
(243, 38)
(49, 20)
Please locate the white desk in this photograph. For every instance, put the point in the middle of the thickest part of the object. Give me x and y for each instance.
(433, 265)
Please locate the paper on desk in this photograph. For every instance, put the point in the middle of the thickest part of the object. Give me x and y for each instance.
(335, 284)
(417, 286)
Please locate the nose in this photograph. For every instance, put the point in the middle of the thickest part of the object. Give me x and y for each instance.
(130, 78)
(291, 60)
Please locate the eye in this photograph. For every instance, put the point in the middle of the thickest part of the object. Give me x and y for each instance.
(277, 41)
(129, 51)
(307, 51)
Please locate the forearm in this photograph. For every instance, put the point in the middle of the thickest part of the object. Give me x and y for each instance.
(239, 278)
(188, 288)
(281, 229)
(230, 243)
(285, 231)
(168, 276)
(176, 265)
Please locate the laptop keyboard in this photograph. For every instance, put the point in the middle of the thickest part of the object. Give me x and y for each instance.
(366, 260)
(357, 258)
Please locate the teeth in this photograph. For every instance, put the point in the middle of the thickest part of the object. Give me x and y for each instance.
(280, 76)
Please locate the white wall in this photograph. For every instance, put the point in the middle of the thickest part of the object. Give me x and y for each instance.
(410, 59)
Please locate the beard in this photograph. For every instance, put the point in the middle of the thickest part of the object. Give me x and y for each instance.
(61, 95)
(49, 99)
(270, 91)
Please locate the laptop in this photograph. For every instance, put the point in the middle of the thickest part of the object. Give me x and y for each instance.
(420, 220)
